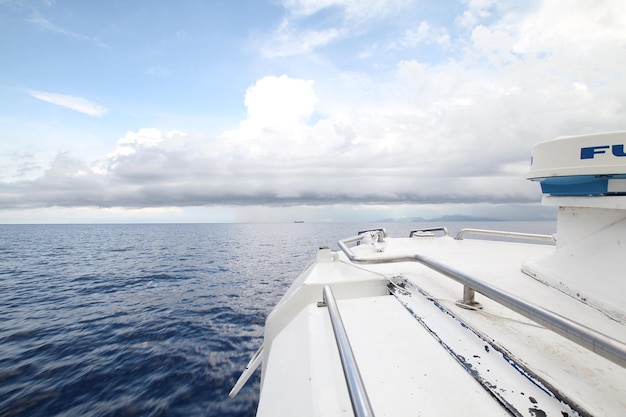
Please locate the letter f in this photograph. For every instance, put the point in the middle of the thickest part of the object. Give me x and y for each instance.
(589, 153)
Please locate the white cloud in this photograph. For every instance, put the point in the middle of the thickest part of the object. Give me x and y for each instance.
(582, 26)
(289, 41)
(45, 24)
(276, 126)
(276, 101)
(78, 104)
(143, 140)
(352, 9)
(374, 155)
(309, 7)
(411, 69)
(426, 34)
(476, 11)
(496, 44)
(303, 31)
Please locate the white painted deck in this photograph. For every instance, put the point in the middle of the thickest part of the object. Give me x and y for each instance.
(404, 366)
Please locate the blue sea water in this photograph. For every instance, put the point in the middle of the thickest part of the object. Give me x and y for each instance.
(149, 319)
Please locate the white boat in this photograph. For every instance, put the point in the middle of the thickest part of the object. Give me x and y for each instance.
(434, 325)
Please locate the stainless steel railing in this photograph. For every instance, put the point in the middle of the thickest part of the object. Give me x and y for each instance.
(430, 229)
(499, 233)
(358, 396)
(603, 345)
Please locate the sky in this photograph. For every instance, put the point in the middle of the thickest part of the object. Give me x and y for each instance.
(283, 110)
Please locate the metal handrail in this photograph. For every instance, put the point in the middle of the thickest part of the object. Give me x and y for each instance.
(430, 229)
(382, 232)
(517, 235)
(358, 396)
(603, 345)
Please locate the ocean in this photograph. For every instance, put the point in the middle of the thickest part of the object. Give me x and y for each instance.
(150, 319)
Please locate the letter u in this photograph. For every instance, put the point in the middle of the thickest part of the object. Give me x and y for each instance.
(618, 150)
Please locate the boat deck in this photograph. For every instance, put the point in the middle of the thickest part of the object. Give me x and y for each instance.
(418, 351)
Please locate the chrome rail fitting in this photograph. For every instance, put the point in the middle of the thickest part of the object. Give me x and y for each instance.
(358, 396)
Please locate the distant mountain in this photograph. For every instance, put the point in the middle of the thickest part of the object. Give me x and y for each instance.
(446, 218)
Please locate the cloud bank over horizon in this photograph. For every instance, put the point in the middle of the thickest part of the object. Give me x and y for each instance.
(390, 108)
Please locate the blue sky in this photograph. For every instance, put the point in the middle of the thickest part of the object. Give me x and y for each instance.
(322, 110)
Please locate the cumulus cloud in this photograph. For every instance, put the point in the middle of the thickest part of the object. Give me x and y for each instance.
(277, 157)
(78, 104)
(280, 100)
